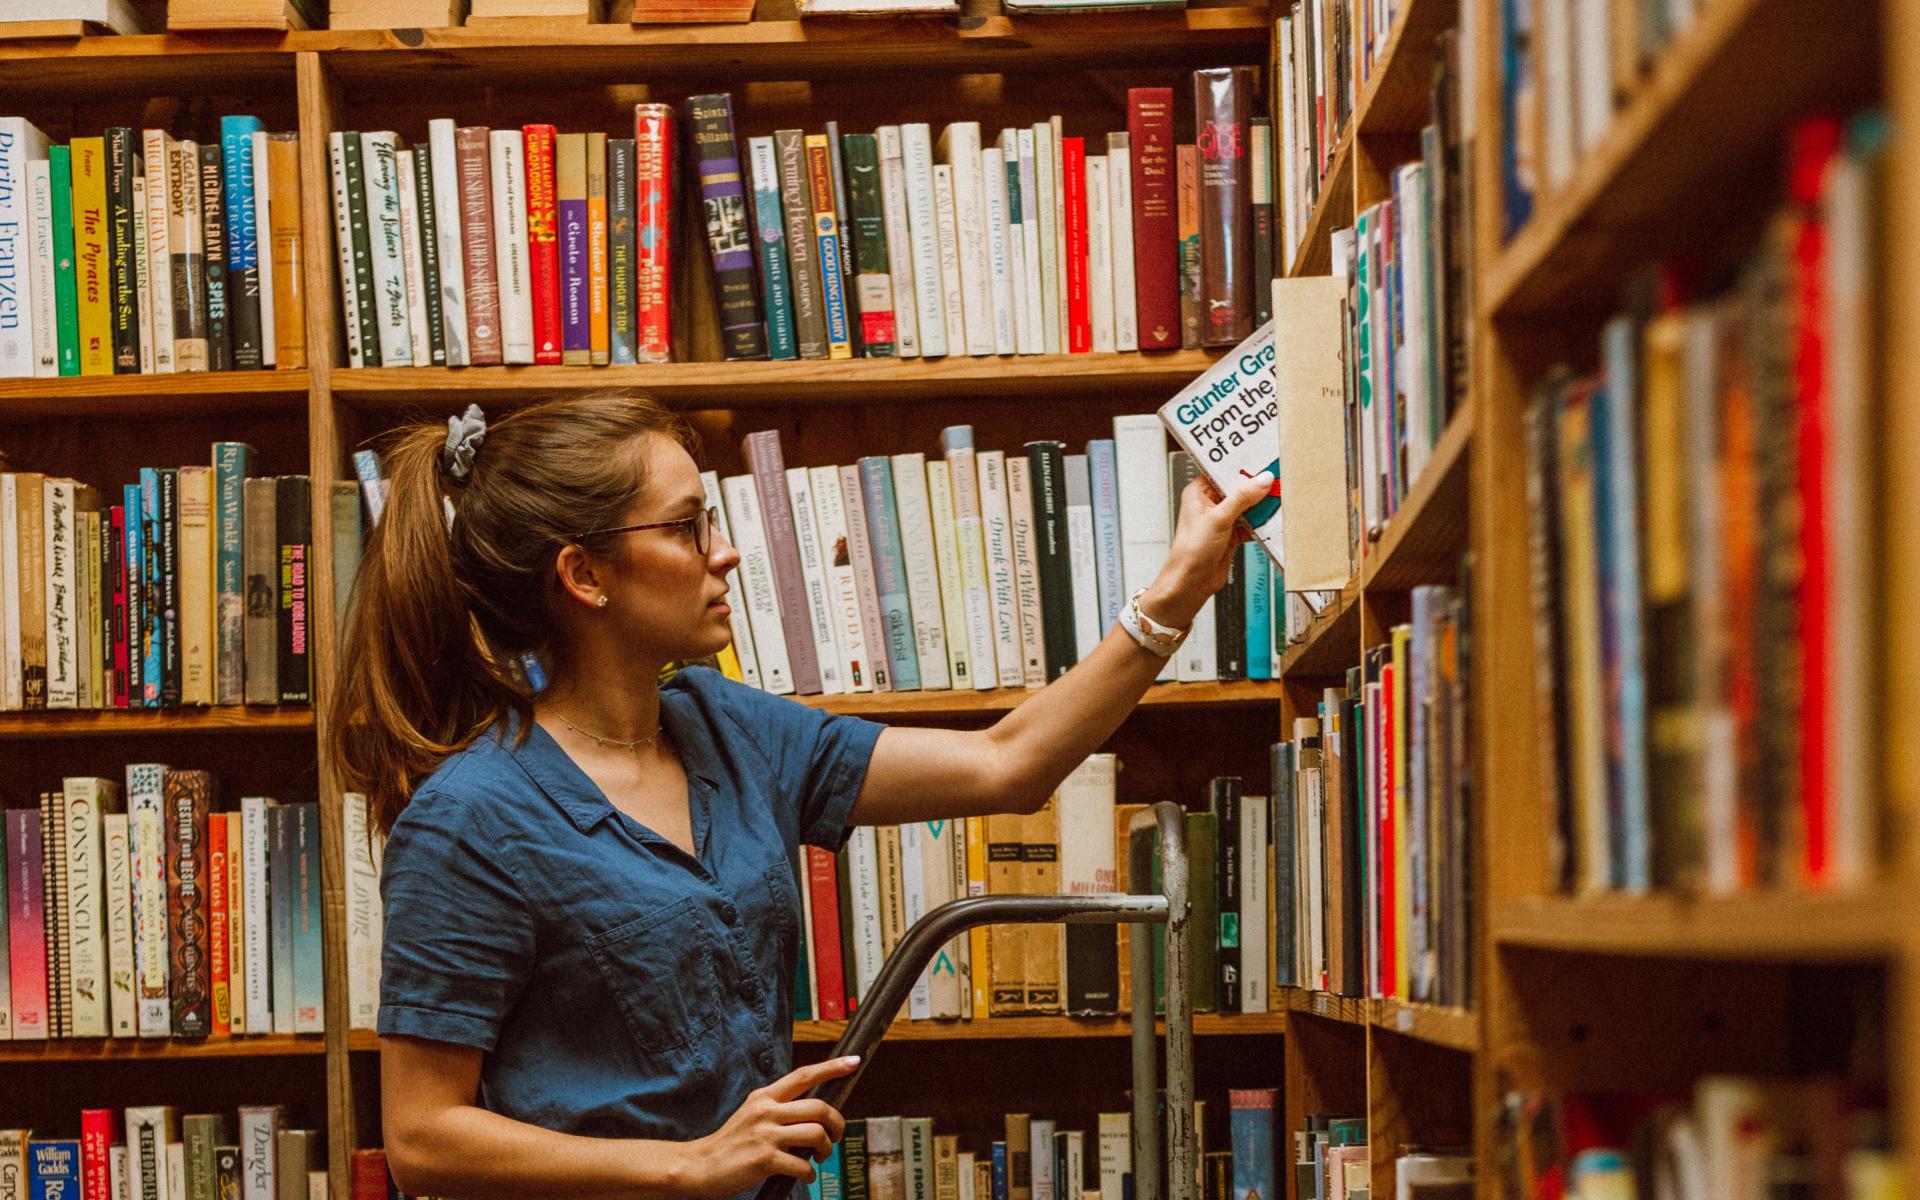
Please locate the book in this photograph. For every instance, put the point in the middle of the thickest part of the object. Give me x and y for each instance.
(570, 235)
(820, 604)
(915, 525)
(93, 255)
(959, 148)
(770, 237)
(1078, 316)
(1024, 539)
(599, 349)
(996, 528)
(823, 202)
(473, 162)
(66, 296)
(971, 552)
(1223, 99)
(860, 555)
(420, 217)
(1085, 802)
(762, 452)
(1087, 628)
(294, 541)
(392, 324)
(260, 567)
(187, 799)
(511, 261)
(865, 227)
(123, 154)
(1146, 507)
(654, 155)
(1052, 557)
(282, 279)
(947, 239)
(758, 598)
(890, 571)
(900, 262)
(946, 551)
(1155, 232)
(729, 236)
(922, 230)
(446, 182)
(1187, 224)
(211, 180)
(1219, 420)
(622, 252)
(21, 144)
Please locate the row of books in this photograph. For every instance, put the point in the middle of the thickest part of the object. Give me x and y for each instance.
(1733, 1138)
(139, 253)
(152, 913)
(1330, 1162)
(486, 246)
(979, 569)
(1704, 565)
(165, 1156)
(191, 589)
(1314, 72)
(1372, 820)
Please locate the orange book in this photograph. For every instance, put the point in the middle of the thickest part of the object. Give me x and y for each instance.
(597, 248)
(217, 931)
(283, 216)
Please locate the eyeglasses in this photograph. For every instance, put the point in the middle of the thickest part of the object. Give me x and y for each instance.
(701, 523)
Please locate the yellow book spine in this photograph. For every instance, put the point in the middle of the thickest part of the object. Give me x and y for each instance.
(92, 267)
(977, 969)
(729, 664)
(597, 331)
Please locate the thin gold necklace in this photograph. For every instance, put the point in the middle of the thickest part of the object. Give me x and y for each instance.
(635, 744)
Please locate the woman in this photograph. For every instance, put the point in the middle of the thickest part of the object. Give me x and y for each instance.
(591, 919)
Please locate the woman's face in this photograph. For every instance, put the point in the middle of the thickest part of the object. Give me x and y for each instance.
(662, 592)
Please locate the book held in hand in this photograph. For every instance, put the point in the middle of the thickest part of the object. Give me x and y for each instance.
(1228, 419)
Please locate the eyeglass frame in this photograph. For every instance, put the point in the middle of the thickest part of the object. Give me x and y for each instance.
(710, 516)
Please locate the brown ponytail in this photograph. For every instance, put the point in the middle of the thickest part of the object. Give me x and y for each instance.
(440, 615)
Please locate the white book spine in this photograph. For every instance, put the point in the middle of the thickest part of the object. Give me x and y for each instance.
(259, 1152)
(145, 814)
(1026, 572)
(1040, 1157)
(863, 866)
(142, 272)
(913, 897)
(1023, 337)
(1086, 588)
(1286, 151)
(118, 1185)
(40, 263)
(1126, 312)
(86, 799)
(150, 1129)
(257, 923)
(756, 583)
(379, 153)
(1198, 658)
(1410, 366)
(1556, 79)
(946, 551)
(362, 902)
(11, 687)
(976, 599)
(1593, 74)
(1253, 904)
(444, 161)
(414, 271)
(813, 572)
(1003, 593)
(1115, 1152)
(1055, 128)
(952, 298)
(1032, 254)
(743, 646)
(893, 201)
(830, 523)
(923, 570)
(961, 142)
(1140, 452)
(916, 146)
(806, 933)
(20, 144)
(1099, 256)
(1047, 183)
(507, 154)
(343, 245)
(123, 1012)
(937, 840)
(262, 206)
(873, 632)
(993, 183)
(57, 516)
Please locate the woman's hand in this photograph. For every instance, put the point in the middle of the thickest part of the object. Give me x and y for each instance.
(1205, 539)
(755, 1142)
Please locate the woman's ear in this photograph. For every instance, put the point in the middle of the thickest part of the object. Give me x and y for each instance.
(580, 576)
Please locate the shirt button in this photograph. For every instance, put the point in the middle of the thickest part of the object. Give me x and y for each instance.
(729, 913)
(750, 988)
(764, 1060)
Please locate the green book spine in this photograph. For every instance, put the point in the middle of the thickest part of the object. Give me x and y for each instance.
(66, 302)
(620, 249)
(123, 161)
(362, 282)
(429, 253)
(1203, 946)
(213, 257)
(202, 1132)
(872, 282)
(232, 463)
(853, 1160)
(347, 535)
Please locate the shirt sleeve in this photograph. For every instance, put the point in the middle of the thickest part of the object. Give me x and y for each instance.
(458, 939)
(819, 759)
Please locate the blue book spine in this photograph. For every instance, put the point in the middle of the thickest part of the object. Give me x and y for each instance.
(134, 548)
(243, 241)
(1516, 50)
(999, 1171)
(1251, 1114)
(889, 568)
(280, 904)
(56, 1168)
(232, 463)
(373, 489)
(772, 241)
(1104, 473)
(830, 1176)
(153, 613)
(1619, 544)
(1257, 569)
(834, 295)
(309, 967)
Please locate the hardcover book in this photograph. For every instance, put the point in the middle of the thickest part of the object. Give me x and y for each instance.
(1155, 248)
(729, 232)
(187, 800)
(543, 241)
(654, 174)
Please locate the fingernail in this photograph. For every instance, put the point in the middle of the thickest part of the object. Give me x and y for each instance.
(852, 1060)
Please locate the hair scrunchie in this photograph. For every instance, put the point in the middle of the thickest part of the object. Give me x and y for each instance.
(465, 433)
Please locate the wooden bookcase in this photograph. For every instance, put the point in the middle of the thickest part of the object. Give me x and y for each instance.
(1572, 992)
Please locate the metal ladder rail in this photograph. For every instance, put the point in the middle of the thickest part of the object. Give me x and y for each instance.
(894, 984)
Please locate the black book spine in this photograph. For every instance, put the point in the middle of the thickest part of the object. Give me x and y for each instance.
(1353, 794)
(853, 1161)
(1262, 150)
(362, 281)
(429, 253)
(244, 242)
(293, 508)
(621, 280)
(123, 161)
(169, 531)
(729, 225)
(1281, 887)
(1223, 795)
(1049, 476)
(213, 237)
(1230, 624)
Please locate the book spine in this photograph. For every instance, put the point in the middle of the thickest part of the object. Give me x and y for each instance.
(307, 949)
(27, 930)
(294, 542)
(151, 636)
(1024, 329)
(915, 515)
(12, 681)
(1260, 192)
(446, 181)
(729, 234)
(598, 336)
(1073, 192)
(426, 305)
(873, 282)
(92, 255)
(1032, 253)
(1224, 801)
(622, 281)
(129, 582)
(362, 905)
(756, 583)
(286, 265)
(543, 241)
(187, 799)
(280, 902)
(55, 916)
(43, 339)
(1046, 176)
(260, 565)
(838, 169)
(56, 538)
(254, 886)
(123, 1013)
(960, 143)
(473, 165)
(511, 257)
(1146, 507)
(1087, 627)
(1195, 661)
(890, 570)
(970, 546)
(813, 574)
(654, 152)
(893, 205)
(762, 452)
(213, 254)
(66, 301)
(796, 211)
(946, 550)
(873, 626)
(862, 873)
(1099, 256)
(262, 190)
(167, 572)
(1047, 479)
(142, 284)
(220, 990)
(1192, 304)
(386, 231)
(31, 534)
(772, 242)
(1026, 571)
(1223, 100)
(1104, 479)
(570, 218)
(952, 291)
(1085, 803)
(830, 522)
(358, 242)
(823, 885)
(923, 234)
(1155, 228)
(827, 237)
(194, 570)
(231, 462)
(1003, 592)
(84, 802)
(1230, 625)
(1000, 250)
(122, 155)
(1126, 312)
(745, 653)
(21, 146)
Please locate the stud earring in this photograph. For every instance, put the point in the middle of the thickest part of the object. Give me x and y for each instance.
(601, 602)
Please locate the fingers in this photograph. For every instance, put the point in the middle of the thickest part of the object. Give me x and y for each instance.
(799, 1081)
(809, 1110)
(809, 1137)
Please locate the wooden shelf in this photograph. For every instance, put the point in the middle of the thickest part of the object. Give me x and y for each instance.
(1397, 97)
(19, 726)
(999, 1028)
(958, 703)
(1332, 642)
(1454, 1028)
(1423, 541)
(1348, 1010)
(1762, 926)
(98, 1050)
(1716, 100)
(697, 385)
(198, 392)
(1334, 208)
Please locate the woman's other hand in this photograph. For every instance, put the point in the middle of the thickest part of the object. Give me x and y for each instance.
(776, 1131)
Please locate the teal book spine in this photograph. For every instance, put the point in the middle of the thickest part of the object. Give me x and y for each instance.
(280, 902)
(771, 239)
(152, 613)
(243, 242)
(621, 280)
(309, 956)
(66, 296)
(232, 463)
(1258, 569)
(890, 569)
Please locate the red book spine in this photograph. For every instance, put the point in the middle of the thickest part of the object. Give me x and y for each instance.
(119, 614)
(653, 230)
(96, 1154)
(1073, 173)
(543, 243)
(217, 922)
(476, 236)
(823, 880)
(369, 1179)
(1223, 103)
(1155, 270)
(1383, 743)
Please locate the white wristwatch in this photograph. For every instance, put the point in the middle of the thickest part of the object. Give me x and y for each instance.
(1161, 639)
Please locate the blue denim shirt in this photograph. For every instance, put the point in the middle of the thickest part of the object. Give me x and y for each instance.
(619, 987)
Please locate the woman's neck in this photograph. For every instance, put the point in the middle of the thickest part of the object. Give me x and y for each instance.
(615, 705)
